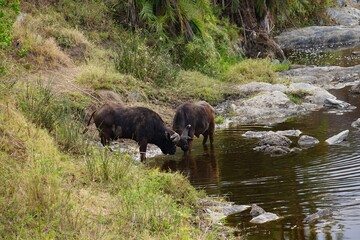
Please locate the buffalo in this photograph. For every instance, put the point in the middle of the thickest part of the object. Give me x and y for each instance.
(194, 119)
(137, 123)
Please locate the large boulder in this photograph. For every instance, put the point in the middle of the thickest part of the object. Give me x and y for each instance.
(320, 38)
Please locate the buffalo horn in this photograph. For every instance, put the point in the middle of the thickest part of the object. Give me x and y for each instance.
(175, 137)
(185, 133)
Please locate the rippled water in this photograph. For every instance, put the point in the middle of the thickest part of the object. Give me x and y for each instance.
(292, 186)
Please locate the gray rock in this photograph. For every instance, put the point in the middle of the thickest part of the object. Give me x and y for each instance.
(320, 38)
(346, 15)
(262, 134)
(217, 210)
(356, 124)
(274, 140)
(256, 210)
(273, 150)
(306, 141)
(355, 89)
(334, 103)
(318, 215)
(324, 77)
(338, 138)
(265, 217)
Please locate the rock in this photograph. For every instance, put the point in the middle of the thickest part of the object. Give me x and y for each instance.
(265, 217)
(356, 124)
(325, 77)
(217, 210)
(338, 138)
(320, 214)
(320, 38)
(334, 103)
(355, 88)
(256, 210)
(262, 134)
(274, 140)
(346, 15)
(273, 150)
(289, 133)
(306, 141)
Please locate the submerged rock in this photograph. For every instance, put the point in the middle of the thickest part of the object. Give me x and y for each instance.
(356, 124)
(265, 217)
(277, 150)
(274, 140)
(320, 214)
(306, 141)
(338, 138)
(262, 134)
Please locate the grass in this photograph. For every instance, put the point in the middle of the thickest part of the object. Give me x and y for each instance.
(58, 186)
(251, 70)
(297, 96)
(198, 86)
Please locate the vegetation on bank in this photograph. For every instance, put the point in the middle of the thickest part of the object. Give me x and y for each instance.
(55, 58)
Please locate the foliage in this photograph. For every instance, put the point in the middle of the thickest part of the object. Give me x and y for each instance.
(8, 12)
(219, 119)
(147, 64)
(299, 13)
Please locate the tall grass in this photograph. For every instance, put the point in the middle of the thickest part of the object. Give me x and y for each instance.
(57, 115)
(148, 64)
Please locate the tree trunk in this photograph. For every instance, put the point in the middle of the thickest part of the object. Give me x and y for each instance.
(257, 42)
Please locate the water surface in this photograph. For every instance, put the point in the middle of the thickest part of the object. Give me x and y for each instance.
(292, 186)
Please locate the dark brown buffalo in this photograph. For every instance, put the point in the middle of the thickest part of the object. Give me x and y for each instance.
(138, 123)
(200, 116)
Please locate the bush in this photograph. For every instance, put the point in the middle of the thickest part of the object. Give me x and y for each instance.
(8, 12)
(145, 63)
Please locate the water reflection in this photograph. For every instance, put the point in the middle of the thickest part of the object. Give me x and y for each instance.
(201, 168)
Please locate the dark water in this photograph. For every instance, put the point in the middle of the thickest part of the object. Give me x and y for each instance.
(292, 186)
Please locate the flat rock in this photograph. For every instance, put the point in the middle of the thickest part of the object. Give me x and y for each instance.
(318, 215)
(338, 138)
(264, 218)
(320, 38)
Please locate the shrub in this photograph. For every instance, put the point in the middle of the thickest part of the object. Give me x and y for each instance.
(145, 63)
(8, 12)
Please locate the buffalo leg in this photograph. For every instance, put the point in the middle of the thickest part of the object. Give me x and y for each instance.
(142, 149)
(206, 135)
(211, 132)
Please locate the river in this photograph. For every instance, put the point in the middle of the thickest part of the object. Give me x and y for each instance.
(292, 186)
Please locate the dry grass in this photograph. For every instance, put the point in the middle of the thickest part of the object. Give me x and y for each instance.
(34, 48)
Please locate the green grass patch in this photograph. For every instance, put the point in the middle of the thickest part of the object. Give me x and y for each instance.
(251, 70)
(297, 96)
(198, 86)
